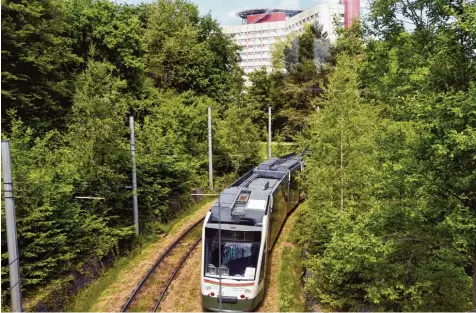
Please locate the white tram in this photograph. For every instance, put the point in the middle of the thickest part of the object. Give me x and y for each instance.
(246, 220)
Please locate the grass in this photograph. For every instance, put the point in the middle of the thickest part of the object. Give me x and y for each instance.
(89, 296)
(290, 288)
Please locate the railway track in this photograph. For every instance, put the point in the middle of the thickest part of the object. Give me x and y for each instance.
(151, 290)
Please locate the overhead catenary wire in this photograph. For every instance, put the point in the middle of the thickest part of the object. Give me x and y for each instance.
(91, 198)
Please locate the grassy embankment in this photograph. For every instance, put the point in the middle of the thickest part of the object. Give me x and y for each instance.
(291, 293)
(95, 296)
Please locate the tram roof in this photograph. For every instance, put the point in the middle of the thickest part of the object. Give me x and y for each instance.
(246, 200)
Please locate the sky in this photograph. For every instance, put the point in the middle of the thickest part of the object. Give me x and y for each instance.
(224, 10)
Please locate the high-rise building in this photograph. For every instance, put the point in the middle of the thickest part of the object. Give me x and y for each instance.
(262, 27)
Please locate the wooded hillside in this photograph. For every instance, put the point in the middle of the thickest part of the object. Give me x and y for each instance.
(387, 114)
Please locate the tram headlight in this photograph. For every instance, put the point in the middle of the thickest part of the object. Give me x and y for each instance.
(247, 291)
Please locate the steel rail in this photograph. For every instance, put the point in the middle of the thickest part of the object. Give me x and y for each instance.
(156, 264)
(171, 278)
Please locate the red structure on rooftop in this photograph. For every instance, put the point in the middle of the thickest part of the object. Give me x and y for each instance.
(264, 15)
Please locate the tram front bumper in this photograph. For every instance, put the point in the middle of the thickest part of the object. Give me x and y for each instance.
(228, 304)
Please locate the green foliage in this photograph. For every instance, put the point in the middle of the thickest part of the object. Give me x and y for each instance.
(97, 139)
(376, 234)
(238, 137)
(306, 59)
(437, 56)
(190, 52)
(391, 221)
(104, 31)
(341, 163)
(171, 151)
(73, 71)
(258, 97)
(36, 56)
(54, 230)
(278, 50)
(44, 210)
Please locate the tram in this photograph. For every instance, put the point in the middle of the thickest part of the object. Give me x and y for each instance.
(240, 230)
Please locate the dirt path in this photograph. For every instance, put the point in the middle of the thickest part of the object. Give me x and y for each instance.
(184, 292)
(112, 299)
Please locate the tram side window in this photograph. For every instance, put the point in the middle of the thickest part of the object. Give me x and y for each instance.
(263, 265)
(285, 187)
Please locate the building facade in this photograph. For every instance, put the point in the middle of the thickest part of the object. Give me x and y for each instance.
(261, 28)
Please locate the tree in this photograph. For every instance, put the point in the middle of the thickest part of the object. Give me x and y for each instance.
(238, 136)
(97, 137)
(104, 31)
(44, 210)
(171, 153)
(445, 154)
(307, 62)
(258, 97)
(339, 178)
(187, 52)
(37, 64)
(438, 55)
(379, 236)
(278, 55)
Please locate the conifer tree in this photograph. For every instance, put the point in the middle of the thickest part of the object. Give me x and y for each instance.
(37, 64)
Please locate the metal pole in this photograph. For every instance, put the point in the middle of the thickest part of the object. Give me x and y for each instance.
(210, 154)
(219, 255)
(13, 259)
(135, 205)
(269, 132)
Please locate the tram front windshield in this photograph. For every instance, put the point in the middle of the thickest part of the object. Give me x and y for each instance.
(239, 254)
